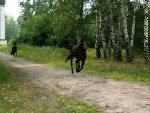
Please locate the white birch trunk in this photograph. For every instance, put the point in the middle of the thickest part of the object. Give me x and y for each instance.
(133, 28)
(98, 29)
(146, 48)
(124, 19)
(119, 44)
(110, 45)
(112, 30)
(112, 35)
(78, 36)
(79, 29)
(102, 36)
(104, 45)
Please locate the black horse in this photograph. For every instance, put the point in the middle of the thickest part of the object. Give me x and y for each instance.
(79, 52)
(14, 50)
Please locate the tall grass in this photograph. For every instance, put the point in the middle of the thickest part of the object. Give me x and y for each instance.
(5, 73)
(134, 71)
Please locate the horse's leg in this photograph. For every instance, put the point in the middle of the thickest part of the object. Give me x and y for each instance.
(15, 54)
(72, 66)
(77, 65)
(83, 61)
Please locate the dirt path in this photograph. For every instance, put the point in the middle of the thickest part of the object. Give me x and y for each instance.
(114, 96)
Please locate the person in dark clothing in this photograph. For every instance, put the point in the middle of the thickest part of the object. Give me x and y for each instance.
(14, 50)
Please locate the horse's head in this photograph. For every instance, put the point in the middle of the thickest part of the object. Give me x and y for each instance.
(83, 44)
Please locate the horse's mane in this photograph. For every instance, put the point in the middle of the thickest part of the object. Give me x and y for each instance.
(81, 43)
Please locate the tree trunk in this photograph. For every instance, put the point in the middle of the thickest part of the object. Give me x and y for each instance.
(98, 27)
(146, 48)
(127, 40)
(112, 36)
(133, 29)
(104, 45)
(119, 50)
(79, 29)
(102, 36)
(110, 44)
(78, 37)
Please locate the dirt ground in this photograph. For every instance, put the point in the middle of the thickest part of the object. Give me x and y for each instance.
(112, 95)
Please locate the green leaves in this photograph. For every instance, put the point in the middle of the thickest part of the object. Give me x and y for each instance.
(56, 23)
(11, 28)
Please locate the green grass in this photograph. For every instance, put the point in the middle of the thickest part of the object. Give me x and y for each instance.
(5, 74)
(135, 71)
(20, 95)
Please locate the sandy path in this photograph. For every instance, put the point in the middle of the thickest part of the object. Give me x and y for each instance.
(114, 96)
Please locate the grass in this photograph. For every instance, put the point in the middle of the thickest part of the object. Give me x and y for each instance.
(135, 71)
(20, 95)
(4, 73)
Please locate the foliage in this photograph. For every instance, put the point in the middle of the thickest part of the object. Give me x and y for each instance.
(11, 28)
(39, 33)
(62, 18)
(62, 23)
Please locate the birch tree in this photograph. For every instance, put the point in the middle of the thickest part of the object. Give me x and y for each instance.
(104, 44)
(112, 35)
(127, 40)
(79, 27)
(146, 47)
(102, 26)
(119, 44)
(98, 28)
(110, 7)
(133, 28)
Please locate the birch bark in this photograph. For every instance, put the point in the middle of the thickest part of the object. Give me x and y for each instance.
(112, 36)
(104, 45)
(133, 29)
(146, 48)
(98, 28)
(119, 49)
(127, 40)
(79, 29)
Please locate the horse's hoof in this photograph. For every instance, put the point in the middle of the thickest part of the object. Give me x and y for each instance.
(77, 71)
